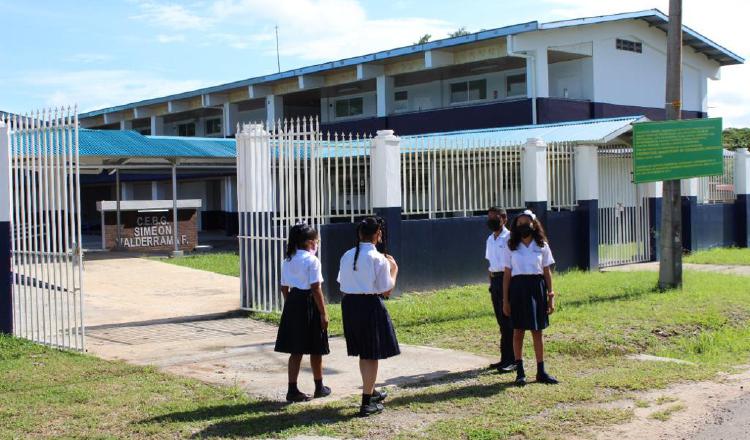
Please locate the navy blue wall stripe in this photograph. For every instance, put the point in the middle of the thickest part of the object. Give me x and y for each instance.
(6, 294)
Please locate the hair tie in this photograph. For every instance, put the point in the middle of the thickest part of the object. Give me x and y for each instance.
(529, 214)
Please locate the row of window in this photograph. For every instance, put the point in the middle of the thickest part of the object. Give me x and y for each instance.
(464, 91)
(212, 126)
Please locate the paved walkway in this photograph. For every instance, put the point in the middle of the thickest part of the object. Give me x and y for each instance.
(179, 319)
(654, 267)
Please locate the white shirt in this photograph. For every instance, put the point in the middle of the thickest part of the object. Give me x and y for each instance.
(495, 250)
(529, 260)
(301, 271)
(373, 274)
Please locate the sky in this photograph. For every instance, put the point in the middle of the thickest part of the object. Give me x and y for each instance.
(99, 54)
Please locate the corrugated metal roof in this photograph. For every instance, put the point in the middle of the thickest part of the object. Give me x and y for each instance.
(115, 143)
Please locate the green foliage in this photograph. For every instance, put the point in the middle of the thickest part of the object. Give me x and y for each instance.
(460, 32)
(424, 39)
(727, 256)
(736, 138)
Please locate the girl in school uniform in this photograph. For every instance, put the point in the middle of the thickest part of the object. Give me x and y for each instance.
(304, 320)
(367, 277)
(528, 297)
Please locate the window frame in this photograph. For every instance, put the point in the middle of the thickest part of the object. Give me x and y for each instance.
(348, 102)
(219, 124)
(467, 90)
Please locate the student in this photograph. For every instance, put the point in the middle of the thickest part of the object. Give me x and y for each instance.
(495, 254)
(367, 277)
(304, 320)
(528, 297)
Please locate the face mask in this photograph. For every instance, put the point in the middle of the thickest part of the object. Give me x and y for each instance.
(494, 224)
(525, 231)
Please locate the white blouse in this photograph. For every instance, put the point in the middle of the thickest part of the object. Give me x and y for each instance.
(301, 271)
(528, 260)
(373, 274)
(495, 250)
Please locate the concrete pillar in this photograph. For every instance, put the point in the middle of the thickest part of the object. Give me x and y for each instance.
(742, 189)
(274, 109)
(230, 118)
(157, 126)
(653, 193)
(154, 190)
(6, 291)
(534, 181)
(587, 195)
(385, 183)
(126, 125)
(689, 190)
(384, 88)
(229, 204)
(541, 73)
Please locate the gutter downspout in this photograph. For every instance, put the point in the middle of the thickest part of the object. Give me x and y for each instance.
(531, 72)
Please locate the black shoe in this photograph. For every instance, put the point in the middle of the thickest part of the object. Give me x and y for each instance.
(378, 396)
(322, 392)
(507, 368)
(547, 379)
(371, 409)
(496, 365)
(520, 381)
(297, 397)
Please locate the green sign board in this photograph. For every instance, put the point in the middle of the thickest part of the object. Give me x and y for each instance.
(672, 150)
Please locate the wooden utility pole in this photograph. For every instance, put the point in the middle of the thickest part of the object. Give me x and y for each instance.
(670, 242)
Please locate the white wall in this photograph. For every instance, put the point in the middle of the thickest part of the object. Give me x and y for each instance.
(577, 76)
(328, 107)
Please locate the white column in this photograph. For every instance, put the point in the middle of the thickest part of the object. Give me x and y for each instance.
(6, 299)
(689, 187)
(229, 194)
(541, 72)
(652, 190)
(742, 171)
(274, 109)
(253, 169)
(385, 158)
(534, 171)
(586, 172)
(384, 88)
(230, 118)
(154, 190)
(157, 126)
(126, 125)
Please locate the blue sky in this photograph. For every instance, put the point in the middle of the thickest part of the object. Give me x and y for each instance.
(104, 53)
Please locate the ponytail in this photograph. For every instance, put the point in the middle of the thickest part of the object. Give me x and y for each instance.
(298, 235)
(366, 230)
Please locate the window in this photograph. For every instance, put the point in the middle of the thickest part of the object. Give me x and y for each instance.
(515, 85)
(349, 107)
(467, 91)
(630, 46)
(213, 126)
(186, 129)
(401, 96)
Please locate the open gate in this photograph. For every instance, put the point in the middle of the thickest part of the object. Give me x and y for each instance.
(624, 232)
(45, 222)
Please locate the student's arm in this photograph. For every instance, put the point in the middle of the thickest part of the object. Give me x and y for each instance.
(317, 292)
(386, 272)
(507, 275)
(550, 298)
(285, 291)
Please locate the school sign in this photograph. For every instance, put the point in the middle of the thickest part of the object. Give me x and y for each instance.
(673, 150)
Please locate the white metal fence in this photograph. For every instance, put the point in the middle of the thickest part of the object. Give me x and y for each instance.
(624, 232)
(719, 189)
(443, 175)
(46, 228)
(561, 191)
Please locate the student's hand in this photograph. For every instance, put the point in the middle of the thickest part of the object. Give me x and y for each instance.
(324, 322)
(551, 306)
(506, 309)
(394, 266)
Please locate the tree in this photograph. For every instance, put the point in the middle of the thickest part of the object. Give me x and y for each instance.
(736, 138)
(423, 39)
(460, 32)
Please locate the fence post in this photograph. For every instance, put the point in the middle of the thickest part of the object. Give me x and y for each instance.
(385, 184)
(689, 213)
(653, 192)
(6, 291)
(587, 196)
(534, 177)
(742, 189)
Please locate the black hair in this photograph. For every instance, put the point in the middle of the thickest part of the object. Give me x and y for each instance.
(537, 232)
(499, 211)
(366, 230)
(298, 235)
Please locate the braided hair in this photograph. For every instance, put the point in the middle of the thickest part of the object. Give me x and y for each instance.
(366, 230)
(298, 235)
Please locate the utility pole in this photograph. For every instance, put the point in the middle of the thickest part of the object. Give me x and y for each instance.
(670, 260)
(278, 59)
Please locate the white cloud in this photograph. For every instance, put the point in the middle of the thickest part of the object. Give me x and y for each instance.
(165, 39)
(171, 15)
(94, 89)
(89, 58)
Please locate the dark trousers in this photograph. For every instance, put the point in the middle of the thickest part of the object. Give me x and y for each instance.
(504, 322)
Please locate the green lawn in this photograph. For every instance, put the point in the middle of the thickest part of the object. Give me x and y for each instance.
(730, 256)
(225, 263)
(602, 317)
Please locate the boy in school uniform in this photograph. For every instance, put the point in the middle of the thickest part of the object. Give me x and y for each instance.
(495, 249)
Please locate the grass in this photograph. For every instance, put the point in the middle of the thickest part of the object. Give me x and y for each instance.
(727, 256)
(601, 318)
(225, 263)
(664, 414)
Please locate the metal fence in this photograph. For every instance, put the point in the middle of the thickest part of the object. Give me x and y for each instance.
(720, 188)
(46, 228)
(444, 176)
(561, 189)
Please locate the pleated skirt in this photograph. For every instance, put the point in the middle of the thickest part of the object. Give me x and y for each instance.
(368, 328)
(528, 302)
(300, 331)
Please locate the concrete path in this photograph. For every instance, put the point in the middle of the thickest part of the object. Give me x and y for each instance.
(654, 267)
(239, 352)
(120, 288)
(731, 421)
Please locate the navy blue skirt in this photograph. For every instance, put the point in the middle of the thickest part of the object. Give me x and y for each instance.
(368, 328)
(300, 331)
(528, 302)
